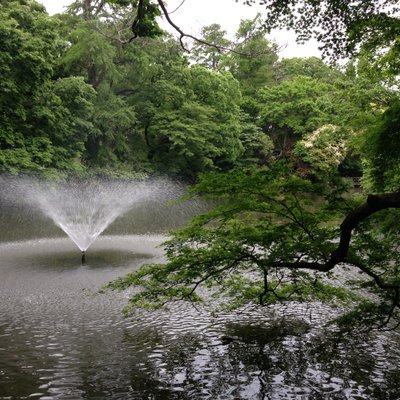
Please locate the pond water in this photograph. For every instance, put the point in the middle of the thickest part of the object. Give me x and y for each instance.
(62, 339)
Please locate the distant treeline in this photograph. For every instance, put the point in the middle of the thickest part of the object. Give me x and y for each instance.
(75, 97)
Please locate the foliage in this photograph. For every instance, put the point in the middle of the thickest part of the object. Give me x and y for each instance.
(323, 149)
(203, 131)
(234, 246)
(252, 63)
(298, 105)
(152, 111)
(341, 27)
(100, 104)
(211, 56)
(254, 56)
(260, 217)
(143, 24)
(90, 54)
(45, 120)
(111, 144)
(258, 146)
(380, 150)
(312, 67)
(311, 95)
(272, 237)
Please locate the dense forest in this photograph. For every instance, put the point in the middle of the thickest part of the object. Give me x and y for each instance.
(77, 97)
(101, 89)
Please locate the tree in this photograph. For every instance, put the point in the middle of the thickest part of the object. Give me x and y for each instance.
(43, 118)
(142, 24)
(196, 125)
(90, 54)
(27, 63)
(312, 67)
(74, 122)
(313, 99)
(267, 242)
(210, 56)
(152, 111)
(112, 143)
(380, 149)
(293, 108)
(274, 233)
(343, 28)
(252, 62)
(98, 55)
(258, 147)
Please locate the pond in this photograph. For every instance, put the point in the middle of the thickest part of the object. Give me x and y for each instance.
(62, 339)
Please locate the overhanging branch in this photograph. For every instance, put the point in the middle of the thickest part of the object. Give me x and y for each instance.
(373, 204)
(182, 34)
(140, 15)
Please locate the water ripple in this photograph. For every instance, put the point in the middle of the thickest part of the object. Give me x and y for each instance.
(60, 340)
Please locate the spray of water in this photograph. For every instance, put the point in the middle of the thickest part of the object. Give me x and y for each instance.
(83, 209)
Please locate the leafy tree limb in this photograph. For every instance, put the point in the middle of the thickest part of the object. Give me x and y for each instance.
(267, 241)
(341, 26)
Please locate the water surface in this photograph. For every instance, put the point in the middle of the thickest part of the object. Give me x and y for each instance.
(61, 339)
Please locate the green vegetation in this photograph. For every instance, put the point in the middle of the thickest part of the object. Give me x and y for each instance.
(101, 88)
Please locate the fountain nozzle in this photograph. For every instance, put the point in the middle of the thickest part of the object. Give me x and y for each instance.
(83, 256)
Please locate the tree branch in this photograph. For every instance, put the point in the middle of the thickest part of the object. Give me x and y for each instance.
(395, 303)
(215, 272)
(373, 204)
(100, 6)
(138, 18)
(182, 34)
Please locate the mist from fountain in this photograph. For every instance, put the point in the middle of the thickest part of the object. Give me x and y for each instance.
(84, 208)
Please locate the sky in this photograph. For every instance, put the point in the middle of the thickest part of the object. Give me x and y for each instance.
(192, 15)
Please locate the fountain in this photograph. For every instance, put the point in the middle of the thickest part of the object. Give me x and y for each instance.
(84, 208)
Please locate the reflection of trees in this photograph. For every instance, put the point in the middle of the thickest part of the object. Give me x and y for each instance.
(250, 359)
(159, 363)
(367, 360)
(271, 357)
(253, 361)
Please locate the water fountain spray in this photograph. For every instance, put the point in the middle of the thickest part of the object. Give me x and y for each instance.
(83, 209)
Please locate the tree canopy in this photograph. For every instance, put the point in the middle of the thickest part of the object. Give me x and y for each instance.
(279, 229)
(342, 27)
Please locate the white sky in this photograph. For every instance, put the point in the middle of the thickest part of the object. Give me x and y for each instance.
(194, 14)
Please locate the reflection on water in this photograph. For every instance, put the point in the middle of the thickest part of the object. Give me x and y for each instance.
(61, 339)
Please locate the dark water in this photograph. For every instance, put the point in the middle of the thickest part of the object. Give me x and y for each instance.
(61, 339)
